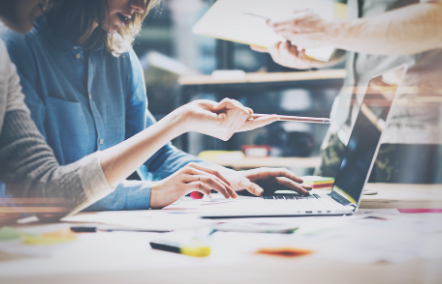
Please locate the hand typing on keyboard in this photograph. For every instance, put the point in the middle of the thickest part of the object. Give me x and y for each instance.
(265, 181)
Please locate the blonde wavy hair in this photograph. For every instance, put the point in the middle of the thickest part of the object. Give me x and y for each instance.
(76, 18)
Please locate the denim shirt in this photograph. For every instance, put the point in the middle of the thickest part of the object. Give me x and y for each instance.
(82, 108)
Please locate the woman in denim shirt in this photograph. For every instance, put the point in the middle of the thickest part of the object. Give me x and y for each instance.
(85, 88)
(30, 170)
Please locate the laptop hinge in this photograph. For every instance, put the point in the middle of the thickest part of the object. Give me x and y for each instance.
(339, 199)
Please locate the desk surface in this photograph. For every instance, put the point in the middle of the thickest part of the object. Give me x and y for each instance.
(159, 267)
(265, 77)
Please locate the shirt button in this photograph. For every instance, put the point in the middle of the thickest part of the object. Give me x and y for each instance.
(78, 55)
(90, 96)
(101, 141)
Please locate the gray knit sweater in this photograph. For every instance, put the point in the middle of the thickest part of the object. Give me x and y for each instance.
(27, 164)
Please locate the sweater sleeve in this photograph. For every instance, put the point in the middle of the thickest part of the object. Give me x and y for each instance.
(15, 97)
(29, 169)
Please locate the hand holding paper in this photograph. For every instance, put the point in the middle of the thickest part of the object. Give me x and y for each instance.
(305, 28)
(245, 21)
(288, 55)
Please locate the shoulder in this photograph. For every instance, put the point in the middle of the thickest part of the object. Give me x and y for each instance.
(130, 58)
(22, 46)
(16, 42)
(132, 64)
(19, 48)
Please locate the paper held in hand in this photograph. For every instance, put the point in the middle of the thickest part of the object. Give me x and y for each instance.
(244, 21)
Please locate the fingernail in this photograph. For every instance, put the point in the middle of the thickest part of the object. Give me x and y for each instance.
(259, 191)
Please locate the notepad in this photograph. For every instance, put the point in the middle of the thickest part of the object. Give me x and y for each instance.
(318, 182)
(236, 20)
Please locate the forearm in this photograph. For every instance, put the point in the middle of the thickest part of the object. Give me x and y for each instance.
(123, 159)
(29, 169)
(409, 30)
(129, 195)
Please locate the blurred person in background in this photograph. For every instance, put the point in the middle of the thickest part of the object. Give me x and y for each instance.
(378, 36)
(30, 170)
(85, 88)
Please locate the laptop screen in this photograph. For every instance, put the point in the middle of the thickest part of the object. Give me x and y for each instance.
(363, 144)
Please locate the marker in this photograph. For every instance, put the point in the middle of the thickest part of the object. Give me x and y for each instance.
(192, 249)
(84, 229)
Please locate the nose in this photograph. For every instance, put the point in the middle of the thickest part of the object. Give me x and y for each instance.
(137, 5)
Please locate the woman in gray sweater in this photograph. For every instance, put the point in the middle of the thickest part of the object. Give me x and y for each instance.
(30, 170)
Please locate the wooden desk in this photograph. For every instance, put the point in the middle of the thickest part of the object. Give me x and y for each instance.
(310, 162)
(331, 74)
(403, 196)
(158, 267)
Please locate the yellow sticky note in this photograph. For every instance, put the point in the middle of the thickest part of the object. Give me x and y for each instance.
(57, 237)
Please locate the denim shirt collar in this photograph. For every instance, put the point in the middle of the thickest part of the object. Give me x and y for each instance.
(63, 43)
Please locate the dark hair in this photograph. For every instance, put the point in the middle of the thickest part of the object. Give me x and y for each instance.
(75, 18)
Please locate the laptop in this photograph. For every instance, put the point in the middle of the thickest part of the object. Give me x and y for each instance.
(353, 173)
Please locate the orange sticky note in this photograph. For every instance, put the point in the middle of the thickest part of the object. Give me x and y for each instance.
(285, 251)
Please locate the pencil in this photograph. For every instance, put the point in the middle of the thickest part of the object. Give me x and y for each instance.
(295, 118)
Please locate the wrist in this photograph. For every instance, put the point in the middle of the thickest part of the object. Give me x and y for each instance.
(334, 30)
(155, 196)
(187, 118)
(179, 121)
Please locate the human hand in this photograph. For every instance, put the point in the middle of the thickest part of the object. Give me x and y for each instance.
(288, 55)
(192, 177)
(221, 120)
(305, 28)
(271, 178)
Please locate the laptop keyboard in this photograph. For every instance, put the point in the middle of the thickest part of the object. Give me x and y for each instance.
(313, 201)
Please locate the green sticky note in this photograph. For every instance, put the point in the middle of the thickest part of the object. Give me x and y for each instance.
(9, 234)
